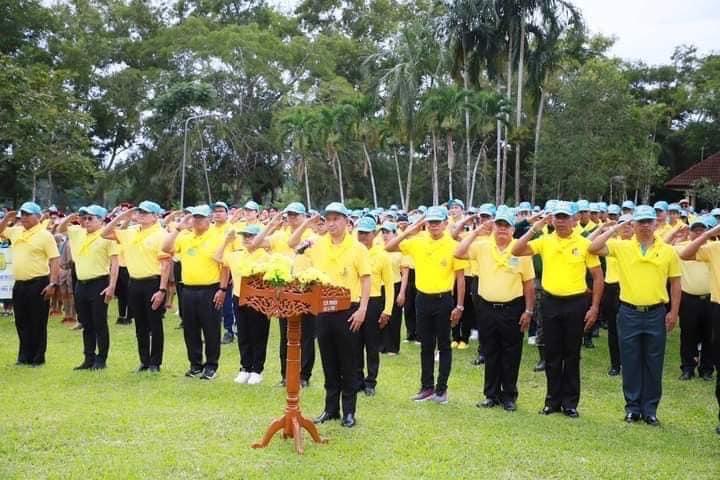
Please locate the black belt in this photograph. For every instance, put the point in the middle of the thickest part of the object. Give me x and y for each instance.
(698, 297)
(91, 280)
(200, 287)
(502, 305)
(32, 280)
(435, 295)
(566, 297)
(642, 308)
(151, 278)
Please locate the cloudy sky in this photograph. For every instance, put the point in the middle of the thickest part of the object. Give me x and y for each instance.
(651, 29)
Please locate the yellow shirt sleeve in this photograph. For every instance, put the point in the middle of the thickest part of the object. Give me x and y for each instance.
(389, 283)
(527, 270)
(362, 261)
(50, 246)
(537, 245)
(674, 269)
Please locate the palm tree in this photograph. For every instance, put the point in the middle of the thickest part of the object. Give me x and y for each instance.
(296, 128)
(366, 130)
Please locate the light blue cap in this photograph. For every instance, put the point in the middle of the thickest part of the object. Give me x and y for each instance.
(31, 207)
(550, 205)
(422, 208)
(455, 202)
(336, 207)
(150, 207)
(595, 207)
(220, 205)
(575, 208)
(414, 218)
(506, 215)
(436, 214)
(394, 207)
(391, 213)
(389, 226)
(644, 212)
(366, 225)
(487, 209)
(613, 209)
(201, 211)
(250, 229)
(564, 208)
(710, 221)
(536, 209)
(356, 213)
(472, 210)
(715, 212)
(583, 206)
(251, 205)
(524, 207)
(628, 204)
(295, 207)
(661, 205)
(674, 207)
(602, 206)
(95, 210)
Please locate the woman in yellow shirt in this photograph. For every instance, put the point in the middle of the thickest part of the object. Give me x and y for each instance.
(391, 333)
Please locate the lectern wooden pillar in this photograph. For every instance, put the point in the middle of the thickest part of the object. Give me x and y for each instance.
(292, 301)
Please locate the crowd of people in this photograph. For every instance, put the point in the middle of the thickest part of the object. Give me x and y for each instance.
(558, 273)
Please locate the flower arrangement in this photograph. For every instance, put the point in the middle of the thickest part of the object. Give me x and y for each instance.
(277, 270)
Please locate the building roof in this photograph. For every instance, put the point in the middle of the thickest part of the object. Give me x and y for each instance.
(708, 168)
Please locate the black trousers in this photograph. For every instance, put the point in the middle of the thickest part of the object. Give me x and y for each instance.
(477, 310)
(31, 319)
(121, 292)
(338, 353)
(503, 348)
(433, 322)
(609, 306)
(391, 332)
(461, 331)
(695, 328)
(92, 314)
(177, 272)
(369, 344)
(253, 329)
(716, 349)
(307, 346)
(409, 308)
(201, 320)
(563, 325)
(148, 322)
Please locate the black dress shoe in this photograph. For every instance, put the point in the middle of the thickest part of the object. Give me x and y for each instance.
(652, 420)
(369, 391)
(686, 376)
(326, 417)
(571, 412)
(141, 368)
(86, 365)
(154, 369)
(588, 344)
(99, 365)
(303, 383)
(348, 420)
(549, 410)
(488, 403)
(479, 360)
(539, 366)
(717, 430)
(613, 372)
(707, 376)
(509, 406)
(633, 417)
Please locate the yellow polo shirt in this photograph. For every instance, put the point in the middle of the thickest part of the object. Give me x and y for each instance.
(90, 252)
(501, 275)
(236, 260)
(196, 254)
(611, 270)
(710, 254)
(345, 263)
(31, 251)
(435, 262)
(381, 276)
(695, 278)
(396, 260)
(643, 277)
(279, 241)
(142, 250)
(565, 262)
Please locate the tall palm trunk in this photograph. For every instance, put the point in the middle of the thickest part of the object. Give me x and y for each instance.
(435, 187)
(340, 176)
(399, 179)
(51, 188)
(451, 163)
(468, 152)
(372, 174)
(538, 123)
(307, 183)
(408, 184)
(508, 93)
(518, 113)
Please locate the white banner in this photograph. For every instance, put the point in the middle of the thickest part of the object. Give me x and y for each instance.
(6, 277)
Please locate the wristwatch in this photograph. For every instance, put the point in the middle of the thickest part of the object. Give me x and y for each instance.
(530, 312)
(460, 307)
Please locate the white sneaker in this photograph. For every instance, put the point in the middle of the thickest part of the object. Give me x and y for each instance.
(254, 379)
(242, 377)
(473, 334)
(532, 340)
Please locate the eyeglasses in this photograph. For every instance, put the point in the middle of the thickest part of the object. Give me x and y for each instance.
(87, 218)
(434, 222)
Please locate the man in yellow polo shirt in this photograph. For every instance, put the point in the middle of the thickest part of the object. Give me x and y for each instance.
(149, 269)
(347, 263)
(706, 248)
(391, 333)
(380, 305)
(96, 266)
(220, 226)
(645, 266)
(204, 287)
(36, 270)
(437, 272)
(506, 297)
(565, 262)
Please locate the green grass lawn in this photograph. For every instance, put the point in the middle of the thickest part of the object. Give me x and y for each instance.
(57, 423)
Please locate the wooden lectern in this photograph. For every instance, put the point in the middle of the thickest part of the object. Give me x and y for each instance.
(292, 301)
